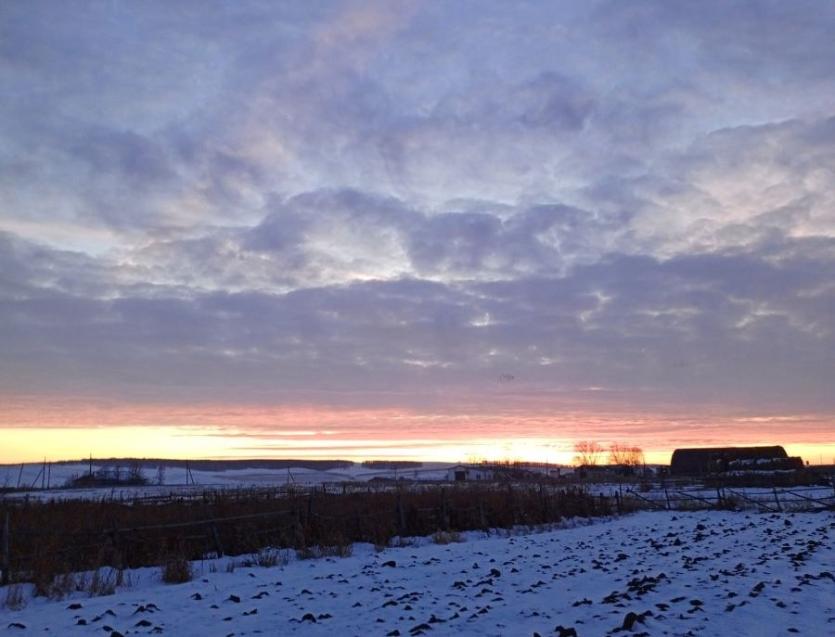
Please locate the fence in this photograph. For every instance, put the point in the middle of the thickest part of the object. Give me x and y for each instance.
(774, 500)
(46, 539)
(41, 540)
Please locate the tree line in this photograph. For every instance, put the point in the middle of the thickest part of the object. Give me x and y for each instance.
(588, 453)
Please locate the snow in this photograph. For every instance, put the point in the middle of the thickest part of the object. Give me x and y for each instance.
(696, 573)
(799, 498)
(178, 483)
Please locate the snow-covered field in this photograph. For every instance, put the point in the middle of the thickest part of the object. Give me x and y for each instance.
(177, 481)
(662, 573)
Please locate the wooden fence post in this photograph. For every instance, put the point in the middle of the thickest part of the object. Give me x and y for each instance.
(117, 548)
(444, 512)
(298, 529)
(777, 500)
(310, 508)
(401, 515)
(358, 524)
(6, 555)
(216, 540)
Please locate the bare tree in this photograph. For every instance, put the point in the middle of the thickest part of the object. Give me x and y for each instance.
(624, 455)
(587, 453)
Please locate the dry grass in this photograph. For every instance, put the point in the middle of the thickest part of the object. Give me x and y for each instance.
(15, 598)
(268, 558)
(176, 570)
(263, 558)
(446, 537)
(54, 538)
(317, 552)
(104, 581)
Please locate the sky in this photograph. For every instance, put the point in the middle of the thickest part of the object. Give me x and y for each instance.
(438, 230)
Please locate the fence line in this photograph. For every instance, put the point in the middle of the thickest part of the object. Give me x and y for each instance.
(44, 539)
(41, 551)
(727, 498)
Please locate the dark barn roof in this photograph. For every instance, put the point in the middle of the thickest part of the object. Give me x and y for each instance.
(705, 460)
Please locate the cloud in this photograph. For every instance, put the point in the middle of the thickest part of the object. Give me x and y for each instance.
(732, 187)
(150, 120)
(736, 328)
(751, 38)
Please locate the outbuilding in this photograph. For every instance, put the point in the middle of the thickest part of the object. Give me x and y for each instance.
(469, 473)
(702, 461)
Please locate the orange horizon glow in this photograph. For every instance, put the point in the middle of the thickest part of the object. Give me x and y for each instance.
(75, 429)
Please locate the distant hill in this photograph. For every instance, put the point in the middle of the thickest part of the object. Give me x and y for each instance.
(217, 465)
(392, 464)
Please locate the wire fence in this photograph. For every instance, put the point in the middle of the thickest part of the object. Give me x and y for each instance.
(42, 540)
(774, 500)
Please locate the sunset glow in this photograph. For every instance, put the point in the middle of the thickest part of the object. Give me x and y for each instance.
(218, 431)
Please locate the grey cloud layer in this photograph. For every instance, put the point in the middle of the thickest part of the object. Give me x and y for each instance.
(736, 329)
(372, 198)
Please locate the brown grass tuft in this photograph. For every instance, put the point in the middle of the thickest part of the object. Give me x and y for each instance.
(177, 570)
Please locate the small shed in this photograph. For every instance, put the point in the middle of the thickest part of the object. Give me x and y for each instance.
(469, 473)
(705, 460)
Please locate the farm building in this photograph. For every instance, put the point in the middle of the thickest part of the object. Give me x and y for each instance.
(701, 461)
(468, 473)
(500, 472)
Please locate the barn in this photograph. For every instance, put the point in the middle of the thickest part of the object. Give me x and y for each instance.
(701, 461)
